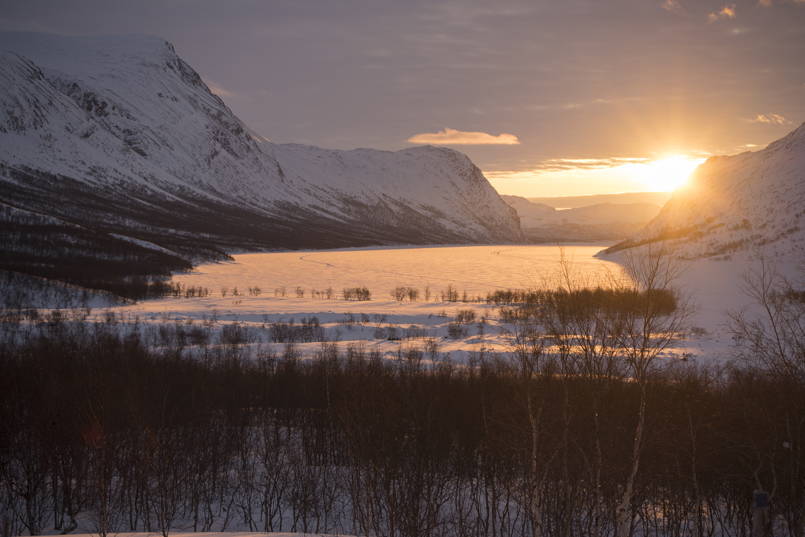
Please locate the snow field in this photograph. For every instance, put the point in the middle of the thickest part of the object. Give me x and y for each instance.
(284, 287)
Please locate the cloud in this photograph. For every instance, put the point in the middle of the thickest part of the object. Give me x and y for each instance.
(218, 89)
(558, 164)
(575, 105)
(566, 164)
(727, 11)
(769, 3)
(770, 119)
(456, 137)
(672, 5)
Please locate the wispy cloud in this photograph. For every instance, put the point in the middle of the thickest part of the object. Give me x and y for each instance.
(672, 5)
(456, 137)
(727, 11)
(566, 165)
(218, 89)
(771, 119)
(557, 164)
(575, 105)
(769, 3)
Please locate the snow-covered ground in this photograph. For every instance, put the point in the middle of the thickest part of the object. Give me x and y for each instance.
(293, 286)
(390, 326)
(258, 291)
(474, 269)
(718, 290)
(24, 291)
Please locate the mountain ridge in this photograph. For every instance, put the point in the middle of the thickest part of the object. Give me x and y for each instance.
(573, 202)
(132, 143)
(599, 221)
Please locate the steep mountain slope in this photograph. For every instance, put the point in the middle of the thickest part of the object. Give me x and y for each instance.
(743, 203)
(114, 148)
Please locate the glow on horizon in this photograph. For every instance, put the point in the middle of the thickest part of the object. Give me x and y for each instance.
(664, 174)
(667, 174)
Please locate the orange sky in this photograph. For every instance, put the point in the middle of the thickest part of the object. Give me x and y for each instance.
(637, 175)
(548, 98)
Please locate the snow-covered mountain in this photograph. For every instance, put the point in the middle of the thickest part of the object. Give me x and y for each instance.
(751, 202)
(622, 198)
(531, 214)
(599, 221)
(117, 140)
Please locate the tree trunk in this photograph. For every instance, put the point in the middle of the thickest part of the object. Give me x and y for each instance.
(623, 512)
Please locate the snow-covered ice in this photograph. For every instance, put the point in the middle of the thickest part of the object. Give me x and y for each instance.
(376, 324)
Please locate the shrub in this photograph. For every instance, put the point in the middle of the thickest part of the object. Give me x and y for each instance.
(456, 331)
(357, 293)
(401, 293)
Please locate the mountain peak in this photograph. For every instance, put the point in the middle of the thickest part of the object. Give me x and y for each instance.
(129, 139)
(81, 55)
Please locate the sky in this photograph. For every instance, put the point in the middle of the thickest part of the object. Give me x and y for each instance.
(561, 97)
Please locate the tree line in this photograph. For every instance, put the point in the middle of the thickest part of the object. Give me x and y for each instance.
(588, 430)
(99, 428)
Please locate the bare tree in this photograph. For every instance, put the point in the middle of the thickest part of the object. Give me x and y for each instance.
(616, 334)
(645, 332)
(584, 340)
(530, 363)
(774, 340)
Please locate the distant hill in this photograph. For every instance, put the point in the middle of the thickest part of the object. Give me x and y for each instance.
(600, 221)
(572, 202)
(531, 214)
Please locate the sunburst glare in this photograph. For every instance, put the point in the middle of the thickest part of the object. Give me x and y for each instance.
(669, 173)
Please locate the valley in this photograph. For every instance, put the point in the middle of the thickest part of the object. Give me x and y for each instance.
(205, 330)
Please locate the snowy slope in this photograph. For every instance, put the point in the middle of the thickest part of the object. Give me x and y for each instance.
(752, 202)
(434, 182)
(131, 142)
(531, 214)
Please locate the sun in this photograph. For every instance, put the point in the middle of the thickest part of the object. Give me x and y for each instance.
(669, 173)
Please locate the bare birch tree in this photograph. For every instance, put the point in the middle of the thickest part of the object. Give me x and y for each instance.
(774, 339)
(645, 332)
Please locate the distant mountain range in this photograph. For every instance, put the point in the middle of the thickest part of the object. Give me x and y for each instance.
(573, 202)
(752, 202)
(113, 149)
(614, 219)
